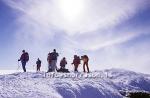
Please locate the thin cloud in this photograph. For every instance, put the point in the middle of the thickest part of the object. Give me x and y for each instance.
(42, 26)
(96, 14)
(40, 21)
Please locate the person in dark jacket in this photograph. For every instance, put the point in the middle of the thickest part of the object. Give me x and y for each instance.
(76, 62)
(24, 59)
(63, 63)
(38, 63)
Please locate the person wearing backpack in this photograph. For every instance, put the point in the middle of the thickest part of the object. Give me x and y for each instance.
(85, 60)
(54, 56)
(24, 59)
(49, 60)
(63, 63)
(76, 62)
(38, 63)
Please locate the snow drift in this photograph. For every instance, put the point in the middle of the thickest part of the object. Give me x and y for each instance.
(36, 85)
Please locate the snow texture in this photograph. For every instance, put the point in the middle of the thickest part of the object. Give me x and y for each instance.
(36, 85)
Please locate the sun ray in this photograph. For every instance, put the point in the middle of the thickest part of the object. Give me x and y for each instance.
(71, 9)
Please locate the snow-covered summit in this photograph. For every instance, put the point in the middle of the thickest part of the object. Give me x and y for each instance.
(38, 85)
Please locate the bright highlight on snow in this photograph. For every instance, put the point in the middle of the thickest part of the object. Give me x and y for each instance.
(35, 85)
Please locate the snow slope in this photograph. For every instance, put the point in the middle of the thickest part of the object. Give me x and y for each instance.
(128, 80)
(36, 85)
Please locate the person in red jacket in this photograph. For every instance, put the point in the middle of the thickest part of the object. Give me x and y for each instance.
(24, 59)
(76, 62)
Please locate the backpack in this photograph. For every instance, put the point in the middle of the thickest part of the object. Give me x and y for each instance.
(85, 58)
(54, 56)
(26, 56)
(49, 58)
(78, 59)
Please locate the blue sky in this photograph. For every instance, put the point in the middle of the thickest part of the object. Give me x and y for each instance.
(114, 34)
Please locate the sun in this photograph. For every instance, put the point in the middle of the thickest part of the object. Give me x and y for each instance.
(71, 9)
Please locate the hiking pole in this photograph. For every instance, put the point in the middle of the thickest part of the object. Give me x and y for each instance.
(18, 66)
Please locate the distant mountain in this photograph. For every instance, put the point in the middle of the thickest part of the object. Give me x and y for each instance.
(98, 84)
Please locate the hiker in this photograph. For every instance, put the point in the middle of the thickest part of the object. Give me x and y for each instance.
(76, 62)
(24, 59)
(53, 60)
(49, 60)
(38, 63)
(85, 60)
(63, 63)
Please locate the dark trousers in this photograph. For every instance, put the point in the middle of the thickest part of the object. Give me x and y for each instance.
(62, 66)
(23, 65)
(38, 67)
(76, 67)
(85, 64)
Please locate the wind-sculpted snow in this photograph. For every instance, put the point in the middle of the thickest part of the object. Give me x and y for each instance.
(128, 80)
(40, 85)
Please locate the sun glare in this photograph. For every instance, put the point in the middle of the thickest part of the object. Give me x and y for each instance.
(71, 9)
